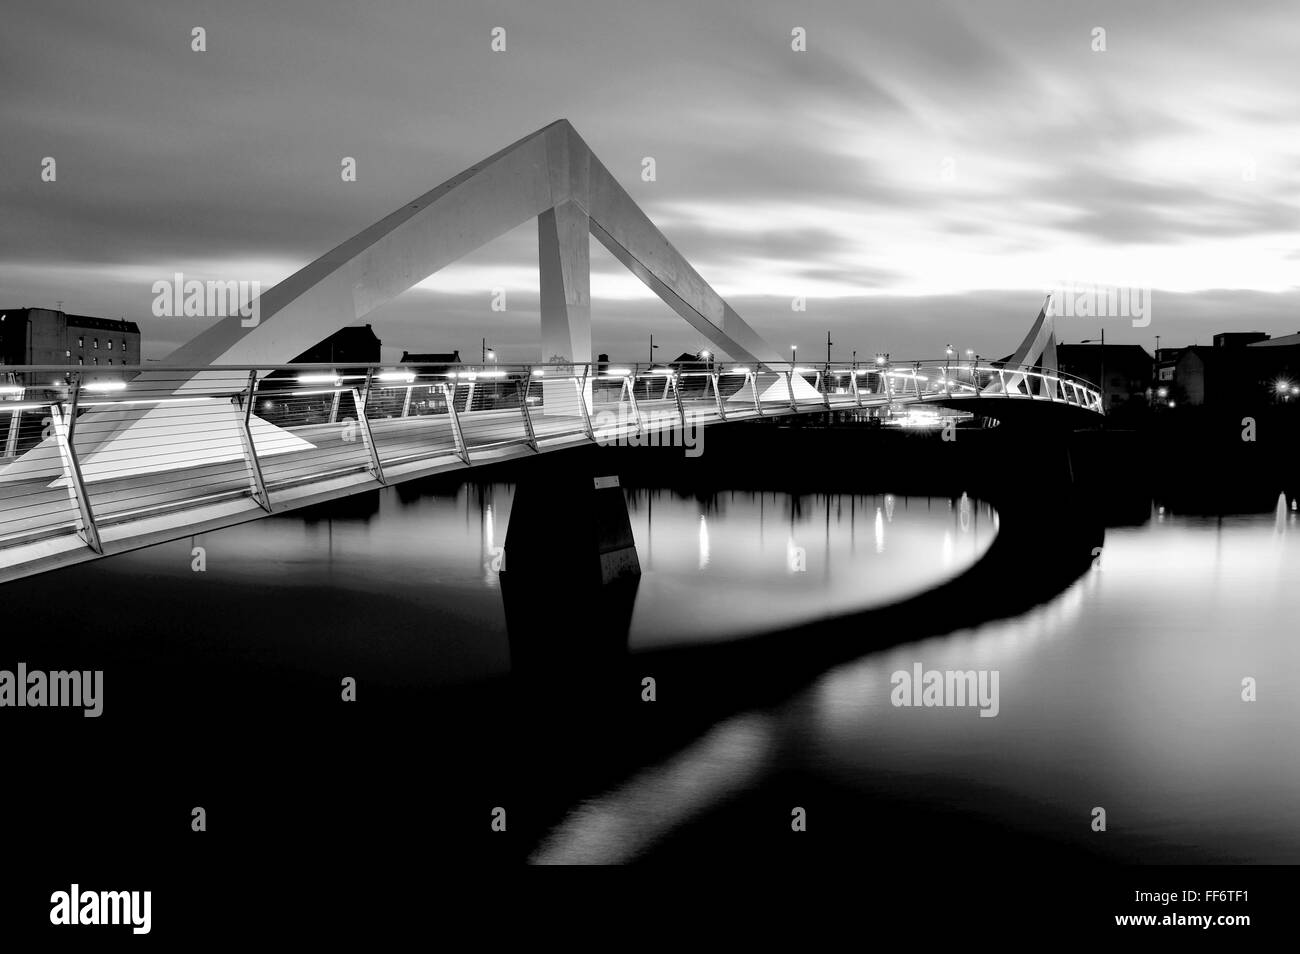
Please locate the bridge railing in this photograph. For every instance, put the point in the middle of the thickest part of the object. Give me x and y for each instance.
(86, 452)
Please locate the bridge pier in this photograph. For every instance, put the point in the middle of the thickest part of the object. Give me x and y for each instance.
(571, 573)
(571, 529)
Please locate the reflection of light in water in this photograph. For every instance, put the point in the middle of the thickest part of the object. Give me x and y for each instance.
(1279, 516)
(617, 826)
(947, 548)
(963, 511)
(846, 697)
(704, 542)
(880, 532)
(889, 507)
(793, 555)
(489, 545)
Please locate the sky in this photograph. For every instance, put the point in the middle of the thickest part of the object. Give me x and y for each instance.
(921, 174)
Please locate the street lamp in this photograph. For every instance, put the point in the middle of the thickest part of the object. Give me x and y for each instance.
(1102, 383)
(793, 353)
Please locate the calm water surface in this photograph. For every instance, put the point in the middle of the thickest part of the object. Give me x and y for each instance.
(1124, 691)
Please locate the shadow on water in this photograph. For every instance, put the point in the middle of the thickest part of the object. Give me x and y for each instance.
(593, 701)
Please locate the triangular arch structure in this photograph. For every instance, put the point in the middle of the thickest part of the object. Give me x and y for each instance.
(550, 175)
(1037, 351)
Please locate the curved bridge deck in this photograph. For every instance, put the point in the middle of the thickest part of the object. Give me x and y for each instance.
(92, 466)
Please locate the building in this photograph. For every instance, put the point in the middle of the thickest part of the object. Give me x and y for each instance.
(1121, 372)
(48, 336)
(353, 345)
(1238, 339)
(1240, 368)
(434, 362)
(1166, 359)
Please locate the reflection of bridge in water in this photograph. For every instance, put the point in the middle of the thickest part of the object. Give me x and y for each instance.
(225, 431)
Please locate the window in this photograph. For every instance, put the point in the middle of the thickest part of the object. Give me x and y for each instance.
(96, 360)
(110, 360)
(123, 344)
(67, 353)
(81, 361)
(81, 342)
(110, 344)
(96, 344)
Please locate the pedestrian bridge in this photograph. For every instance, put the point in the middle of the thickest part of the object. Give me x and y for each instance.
(96, 461)
(100, 468)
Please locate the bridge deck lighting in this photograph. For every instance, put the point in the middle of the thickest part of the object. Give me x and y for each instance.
(805, 370)
(736, 371)
(320, 379)
(403, 376)
(101, 386)
(539, 372)
(617, 372)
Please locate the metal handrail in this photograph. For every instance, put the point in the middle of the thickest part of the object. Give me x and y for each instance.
(88, 460)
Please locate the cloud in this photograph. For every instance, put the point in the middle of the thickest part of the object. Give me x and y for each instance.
(916, 152)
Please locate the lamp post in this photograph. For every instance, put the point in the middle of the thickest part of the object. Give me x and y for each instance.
(1101, 385)
(794, 353)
